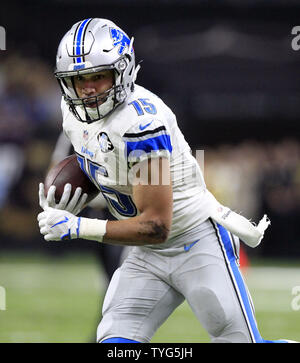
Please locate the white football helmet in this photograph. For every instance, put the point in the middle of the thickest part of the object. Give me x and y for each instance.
(90, 46)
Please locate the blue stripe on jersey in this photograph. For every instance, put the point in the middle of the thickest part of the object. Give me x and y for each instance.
(239, 282)
(161, 142)
(78, 40)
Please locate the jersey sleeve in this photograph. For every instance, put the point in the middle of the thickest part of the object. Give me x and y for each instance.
(149, 139)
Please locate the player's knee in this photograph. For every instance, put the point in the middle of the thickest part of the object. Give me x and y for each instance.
(211, 311)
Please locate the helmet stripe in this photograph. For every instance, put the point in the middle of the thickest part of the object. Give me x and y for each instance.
(74, 41)
(79, 37)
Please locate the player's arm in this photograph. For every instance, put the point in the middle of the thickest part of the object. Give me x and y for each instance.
(155, 204)
(151, 226)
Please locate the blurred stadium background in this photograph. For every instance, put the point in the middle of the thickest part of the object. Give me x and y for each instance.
(228, 71)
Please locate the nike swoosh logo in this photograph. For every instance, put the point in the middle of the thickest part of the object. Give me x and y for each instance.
(63, 221)
(189, 246)
(145, 126)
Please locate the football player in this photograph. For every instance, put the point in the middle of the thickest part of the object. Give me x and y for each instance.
(185, 242)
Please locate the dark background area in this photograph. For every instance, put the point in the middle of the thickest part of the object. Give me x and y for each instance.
(226, 69)
(220, 64)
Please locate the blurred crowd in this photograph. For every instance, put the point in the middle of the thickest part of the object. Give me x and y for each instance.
(251, 177)
(29, 125)
(261, 178)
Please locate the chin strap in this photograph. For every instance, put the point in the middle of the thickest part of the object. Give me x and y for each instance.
(137, 68)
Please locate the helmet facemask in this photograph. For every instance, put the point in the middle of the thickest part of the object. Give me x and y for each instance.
(103, 103)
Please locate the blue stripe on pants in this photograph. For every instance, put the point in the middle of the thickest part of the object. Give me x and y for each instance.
(238, 283)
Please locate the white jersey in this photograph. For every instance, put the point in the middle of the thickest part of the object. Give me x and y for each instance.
(142, 127)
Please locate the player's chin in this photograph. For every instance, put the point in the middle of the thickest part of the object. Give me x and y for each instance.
(94, 103)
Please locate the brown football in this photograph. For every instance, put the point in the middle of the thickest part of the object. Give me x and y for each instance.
(68, 171)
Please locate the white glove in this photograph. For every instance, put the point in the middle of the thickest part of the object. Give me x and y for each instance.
(239, 225)
(56, 224)
(74, 206)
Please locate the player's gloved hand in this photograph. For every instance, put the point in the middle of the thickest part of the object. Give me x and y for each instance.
(58, 225)
(74, 206)
(238, 225)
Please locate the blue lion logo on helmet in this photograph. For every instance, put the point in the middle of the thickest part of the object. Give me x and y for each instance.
(120, 39)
